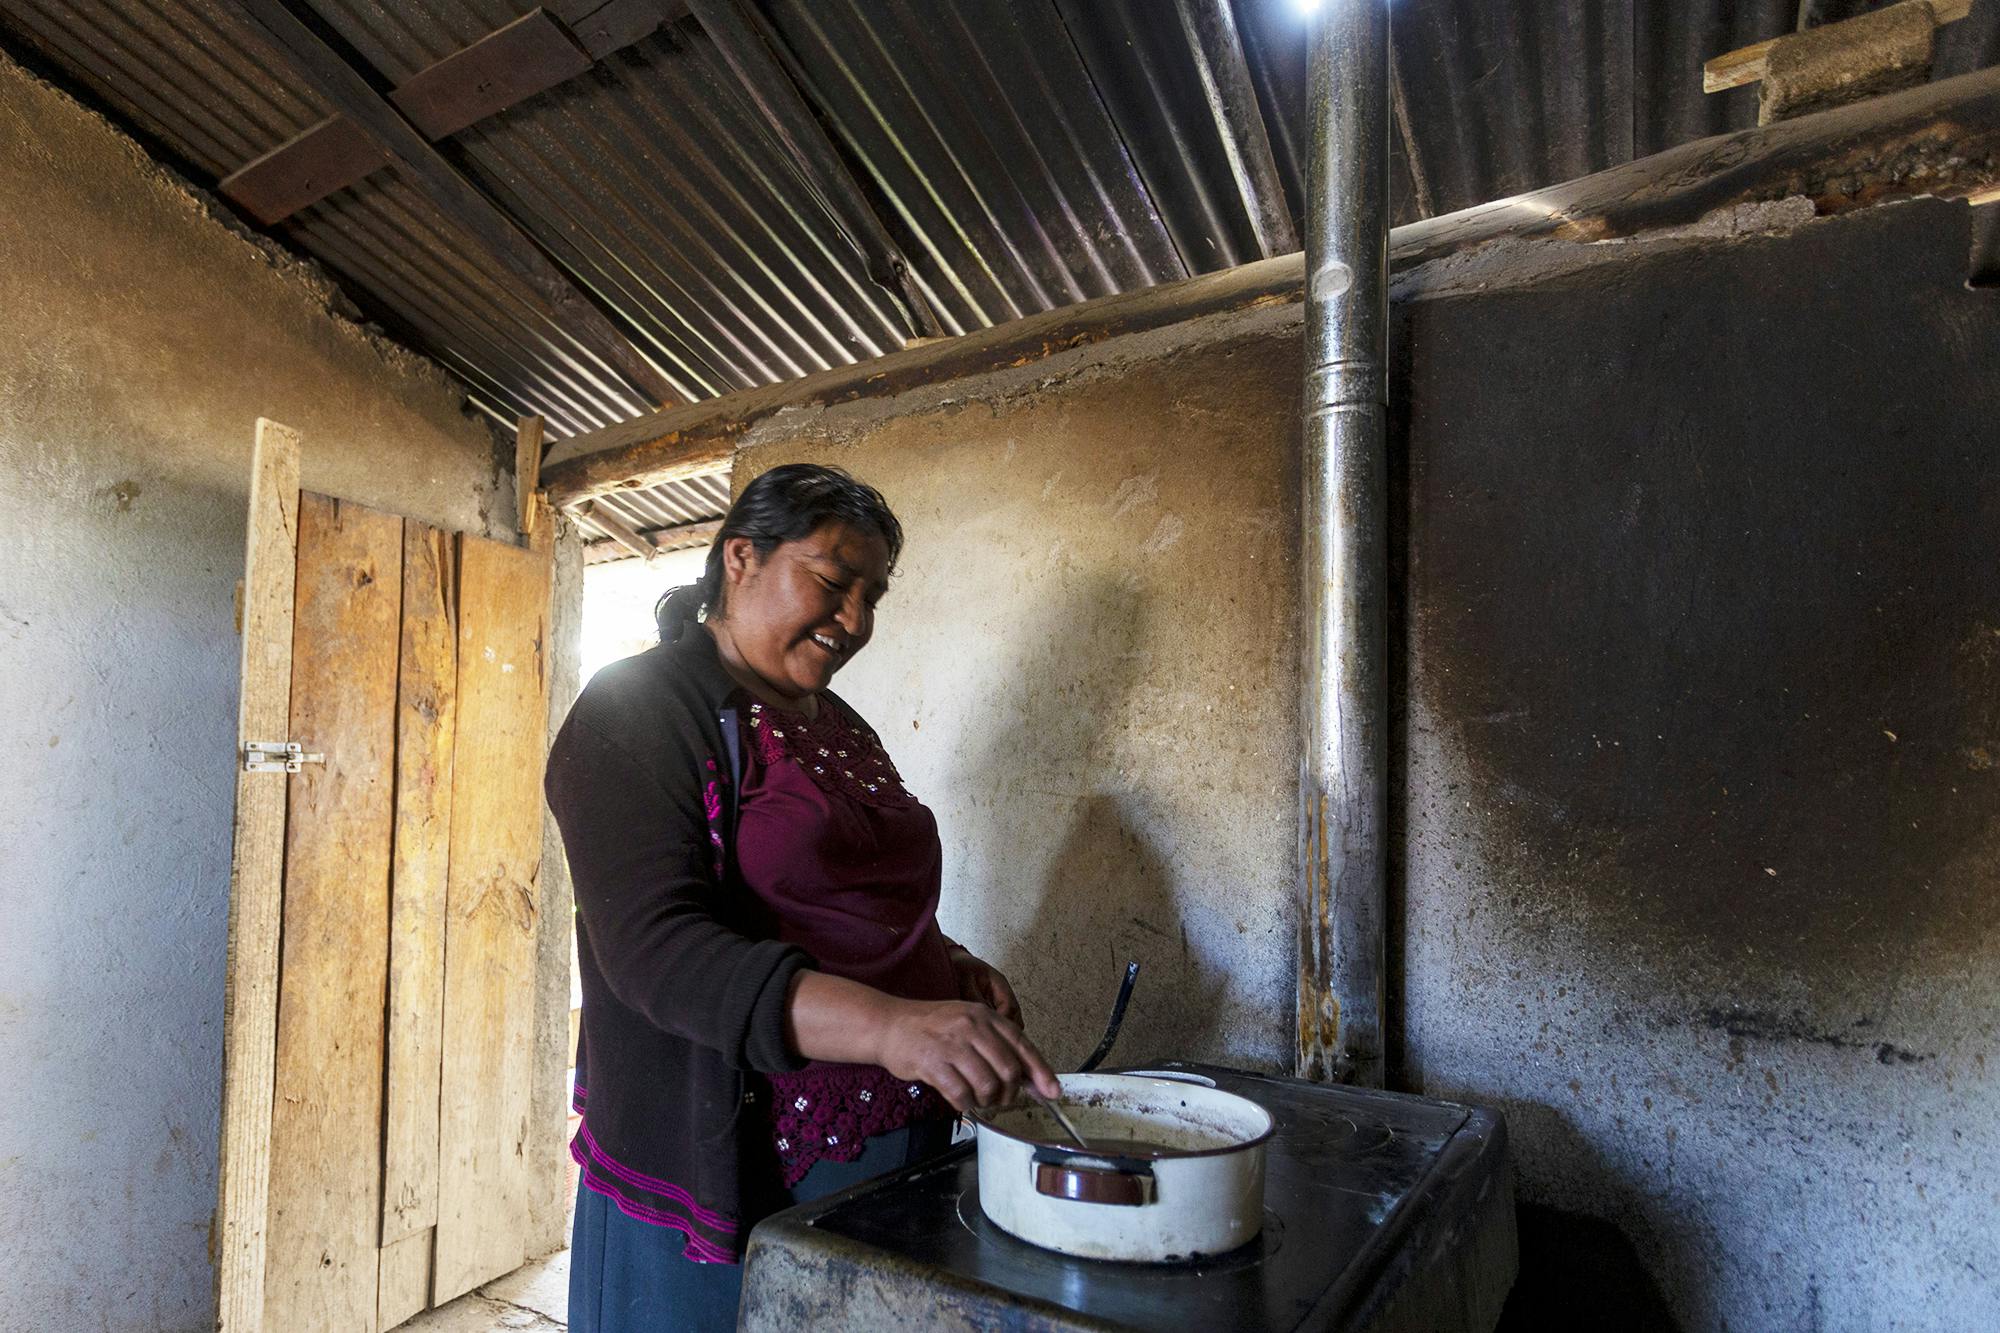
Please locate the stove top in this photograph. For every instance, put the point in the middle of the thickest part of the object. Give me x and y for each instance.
(1382, 1211)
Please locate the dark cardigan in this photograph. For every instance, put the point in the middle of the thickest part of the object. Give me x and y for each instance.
(683, 991)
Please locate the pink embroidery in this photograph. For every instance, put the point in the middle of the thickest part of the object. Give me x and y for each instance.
(840, 757)
(829, 1112)
(697, 1249)
(711, 804)
(652, 1184)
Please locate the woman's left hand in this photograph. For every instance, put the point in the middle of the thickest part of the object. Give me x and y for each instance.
(982, 983)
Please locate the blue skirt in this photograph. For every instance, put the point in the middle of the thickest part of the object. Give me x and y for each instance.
(626, 1276)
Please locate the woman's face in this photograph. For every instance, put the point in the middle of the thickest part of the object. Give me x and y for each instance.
(802, 612)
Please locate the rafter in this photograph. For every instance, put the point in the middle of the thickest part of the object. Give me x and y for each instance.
(315, 65)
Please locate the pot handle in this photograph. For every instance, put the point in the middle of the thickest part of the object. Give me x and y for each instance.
(1091, 1184)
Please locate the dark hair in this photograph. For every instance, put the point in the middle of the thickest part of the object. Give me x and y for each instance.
(786, 504)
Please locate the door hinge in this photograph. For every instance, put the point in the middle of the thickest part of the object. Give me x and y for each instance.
(277, 757)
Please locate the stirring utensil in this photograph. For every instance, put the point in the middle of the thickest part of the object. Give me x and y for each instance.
(1062, 1120)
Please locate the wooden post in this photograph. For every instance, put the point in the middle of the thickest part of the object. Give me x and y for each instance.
(527, 473)
(256, 889)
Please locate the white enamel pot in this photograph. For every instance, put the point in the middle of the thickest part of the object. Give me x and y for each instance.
(1199, 1192)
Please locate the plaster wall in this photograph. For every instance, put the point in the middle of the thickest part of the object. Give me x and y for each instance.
(142, 338)
(1083, 666)
(1696, 798)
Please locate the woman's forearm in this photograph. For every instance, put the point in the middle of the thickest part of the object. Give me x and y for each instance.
(968, 1052)
(834, 1019)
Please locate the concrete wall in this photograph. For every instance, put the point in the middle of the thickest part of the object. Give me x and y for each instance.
(141, 340)
(1697, 800)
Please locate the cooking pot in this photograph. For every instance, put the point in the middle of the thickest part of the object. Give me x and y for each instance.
(1175, 1169)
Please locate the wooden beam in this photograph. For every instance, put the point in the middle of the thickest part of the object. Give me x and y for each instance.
(303, 170)
(1749, 64)
(1735, 68)
(527, 471)
(613, 26)
(1940, 139)
(312, 63)
(680, 537)
(528, 56)
(617, 529)
(256, 884)
(1399, 110)
(508, 65)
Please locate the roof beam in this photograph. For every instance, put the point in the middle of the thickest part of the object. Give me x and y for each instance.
(616, 528)
(530, 55)
(1749, 64)
(510, 64)
(311, 62)
(680, 537)
(1941, 139)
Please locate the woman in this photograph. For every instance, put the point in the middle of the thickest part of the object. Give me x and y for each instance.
(770, 1011)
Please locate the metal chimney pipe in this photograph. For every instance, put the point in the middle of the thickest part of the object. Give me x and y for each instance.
(1343, 769)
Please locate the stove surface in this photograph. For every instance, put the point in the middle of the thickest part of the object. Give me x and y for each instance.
(1381, 1211)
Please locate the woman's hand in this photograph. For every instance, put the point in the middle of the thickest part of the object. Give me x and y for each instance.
(982, 983)
(969, 1052)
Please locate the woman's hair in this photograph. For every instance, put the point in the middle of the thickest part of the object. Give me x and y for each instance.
(786, 504)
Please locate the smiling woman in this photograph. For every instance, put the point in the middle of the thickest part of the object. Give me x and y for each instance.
(770, 1011)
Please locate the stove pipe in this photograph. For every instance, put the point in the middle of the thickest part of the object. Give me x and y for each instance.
(1343, 780)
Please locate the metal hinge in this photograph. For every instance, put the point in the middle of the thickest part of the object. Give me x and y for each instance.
(277, 757)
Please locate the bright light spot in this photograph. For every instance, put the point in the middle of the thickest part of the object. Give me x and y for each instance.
(1306, 8)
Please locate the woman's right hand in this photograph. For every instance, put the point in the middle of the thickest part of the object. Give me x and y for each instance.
(968, 1052)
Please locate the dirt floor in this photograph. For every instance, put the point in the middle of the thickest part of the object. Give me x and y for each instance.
(533, 1298)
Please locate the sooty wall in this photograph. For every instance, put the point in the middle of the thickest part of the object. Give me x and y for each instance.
(1703, 663)
(1701, 704)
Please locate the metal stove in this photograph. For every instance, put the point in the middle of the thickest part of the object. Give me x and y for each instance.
(1382, 1212)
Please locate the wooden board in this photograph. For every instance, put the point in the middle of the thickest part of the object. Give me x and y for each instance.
(406, 1279)
(484, 1125)
(511, 64)
(527, 470)
(303, 170)
(326, 1122)
(256, 884)
(426, 721)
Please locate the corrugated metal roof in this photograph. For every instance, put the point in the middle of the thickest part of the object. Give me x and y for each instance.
(1020, 156)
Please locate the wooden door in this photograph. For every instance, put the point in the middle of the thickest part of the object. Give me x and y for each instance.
(383, 920)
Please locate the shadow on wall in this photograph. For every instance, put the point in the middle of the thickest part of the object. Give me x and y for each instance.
(1069, 825)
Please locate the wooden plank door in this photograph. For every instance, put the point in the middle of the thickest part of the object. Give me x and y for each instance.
(383, 918)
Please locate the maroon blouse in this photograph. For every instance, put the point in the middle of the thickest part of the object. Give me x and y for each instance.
(848, 865)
